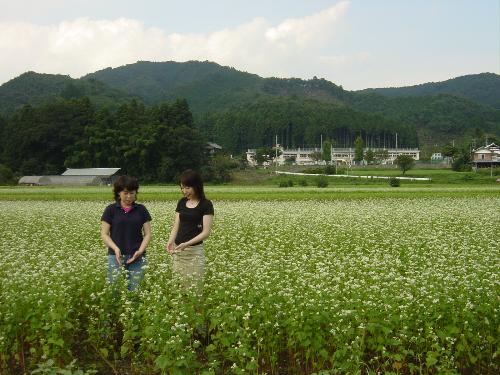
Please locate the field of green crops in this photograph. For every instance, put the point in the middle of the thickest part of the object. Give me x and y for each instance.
(402, 284)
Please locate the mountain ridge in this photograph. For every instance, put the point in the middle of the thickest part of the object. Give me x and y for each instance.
(482, 88)
(213, 88)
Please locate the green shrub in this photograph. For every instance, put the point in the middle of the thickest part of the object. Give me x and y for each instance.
(303, 182)
(322, 182)
(329, 169)
(285, 183)
(394, 182)
(6, 175)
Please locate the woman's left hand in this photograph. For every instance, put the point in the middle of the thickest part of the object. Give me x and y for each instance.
(136, 255)
(181, 247)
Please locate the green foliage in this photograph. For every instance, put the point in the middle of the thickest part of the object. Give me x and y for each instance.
(272, 303)
(381, 155)
(316, 156)
(327, 155)
(154, 144)
(394, 182)
(370, 156)
(37, 89)
(482, 88)
(206, 85)
(36, 139)
(266, 155)
(49, 368)
(219, 169)
(6, 175)
(286, 182)
(404, 162)
(297, 123)
(303, 182)
(358, 149)
(322, 181)
(450, 151)
(436, 118)
(461, 161)
(262, 155)
(240, 110)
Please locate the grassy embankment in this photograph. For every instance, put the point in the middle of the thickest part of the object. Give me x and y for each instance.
(262, 184)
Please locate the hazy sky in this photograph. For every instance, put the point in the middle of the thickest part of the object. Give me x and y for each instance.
(354, 43)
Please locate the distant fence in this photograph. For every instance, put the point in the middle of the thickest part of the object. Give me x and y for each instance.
(353, 176)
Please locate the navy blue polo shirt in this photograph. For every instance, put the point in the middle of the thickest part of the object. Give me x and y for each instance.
(126, 227)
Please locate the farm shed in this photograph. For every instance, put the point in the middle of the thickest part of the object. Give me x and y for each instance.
(76, 177)
(106, 176)
(76, 180)
(34, 180)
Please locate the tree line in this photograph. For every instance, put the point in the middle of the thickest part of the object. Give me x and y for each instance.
(301, 123)
(154, 143)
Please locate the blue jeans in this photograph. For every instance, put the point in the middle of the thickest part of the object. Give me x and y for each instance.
(134, 272)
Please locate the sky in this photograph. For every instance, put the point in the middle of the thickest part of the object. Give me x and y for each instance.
(354, 43)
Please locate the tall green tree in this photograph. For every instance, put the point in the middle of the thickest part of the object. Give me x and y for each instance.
(358, 149)
(369, 156)
(43, 134)
(405, 162)
(381, 155)
(327, 154)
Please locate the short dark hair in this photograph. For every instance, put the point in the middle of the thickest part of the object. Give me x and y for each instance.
(124, 182)
(193, 179)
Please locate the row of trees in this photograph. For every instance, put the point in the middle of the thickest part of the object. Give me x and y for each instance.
(155, 143)
(300, 123)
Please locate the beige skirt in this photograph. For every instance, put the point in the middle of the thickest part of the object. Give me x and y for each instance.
(189, 266)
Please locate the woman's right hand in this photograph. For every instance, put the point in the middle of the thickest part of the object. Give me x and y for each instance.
(118, 256)
(170, 246)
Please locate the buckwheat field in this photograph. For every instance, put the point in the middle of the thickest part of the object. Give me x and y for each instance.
(387, 285)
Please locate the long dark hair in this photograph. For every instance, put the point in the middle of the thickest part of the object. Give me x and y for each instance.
(193, 179)
(125, 182)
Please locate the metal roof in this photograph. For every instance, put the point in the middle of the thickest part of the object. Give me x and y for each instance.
(91, 172)
(75, 180)
(61, 180)
(34, 180)
(214, 145)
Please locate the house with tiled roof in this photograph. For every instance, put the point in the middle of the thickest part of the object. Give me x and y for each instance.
(486, 156)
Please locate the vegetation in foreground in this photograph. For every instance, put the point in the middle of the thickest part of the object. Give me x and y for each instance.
(377, 285)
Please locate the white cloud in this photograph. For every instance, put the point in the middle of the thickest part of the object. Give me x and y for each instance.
(301, 32)
(81, 46)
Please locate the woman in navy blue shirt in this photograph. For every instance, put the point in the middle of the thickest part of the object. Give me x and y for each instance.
(192, 225)
(126, 230)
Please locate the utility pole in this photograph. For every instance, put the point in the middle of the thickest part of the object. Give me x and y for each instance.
(276, 155)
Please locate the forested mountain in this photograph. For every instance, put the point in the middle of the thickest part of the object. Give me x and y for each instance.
(240, 110)
(437, 119)
(209, 86)
(35, 89)
(206, 85)
(482, 88)
(301, 123)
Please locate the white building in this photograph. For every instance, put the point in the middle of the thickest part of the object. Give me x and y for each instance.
(346, 155)
(298, 156)
(305, 156)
